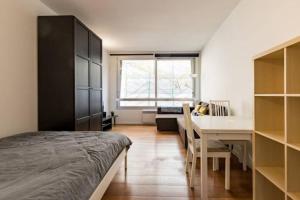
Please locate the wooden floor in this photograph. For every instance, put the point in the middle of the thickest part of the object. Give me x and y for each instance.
(156, 171)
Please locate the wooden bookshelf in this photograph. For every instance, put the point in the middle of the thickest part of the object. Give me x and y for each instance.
(266, 82)
(277, 136)
(293, 69)
(274, 175)
(270, 160)
(294, 196)
(276, 145)
(266, 190)
(269, 120)
(293, 173)
(293, 121)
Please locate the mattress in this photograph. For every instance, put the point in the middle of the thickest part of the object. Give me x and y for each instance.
(56, 165)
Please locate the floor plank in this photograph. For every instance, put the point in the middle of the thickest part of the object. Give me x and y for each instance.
(156, 171)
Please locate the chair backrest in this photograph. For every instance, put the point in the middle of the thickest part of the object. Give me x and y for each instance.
(219, 108)
(188, 125)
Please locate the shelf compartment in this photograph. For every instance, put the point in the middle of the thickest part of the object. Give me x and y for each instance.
(270, 160)
(269, 73)
(294, 195)
(269, 117)
(277, 136)
(293, 69)
(293, 173)
(264, 189)
(293, 118)
(274, 175)
(295, 146)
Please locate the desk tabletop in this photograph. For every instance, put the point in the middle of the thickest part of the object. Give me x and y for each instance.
(216, 124)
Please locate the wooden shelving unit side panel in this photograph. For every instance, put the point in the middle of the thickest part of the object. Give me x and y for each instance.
(265, 190)
(269, 115)
(293, 171)
(269, 73)
(293, 69)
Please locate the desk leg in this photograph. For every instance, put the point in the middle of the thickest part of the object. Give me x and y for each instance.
(204, 195)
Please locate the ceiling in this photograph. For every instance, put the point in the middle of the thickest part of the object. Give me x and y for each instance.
(149, 25)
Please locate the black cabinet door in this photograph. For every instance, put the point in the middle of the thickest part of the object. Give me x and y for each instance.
(96, 49)
(95, 76)
(83, 124)
(82, 72)
(95, 101)
(82, 103)
(95, 122)
(82, 40)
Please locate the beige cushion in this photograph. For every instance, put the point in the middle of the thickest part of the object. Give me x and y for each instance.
(213, 146)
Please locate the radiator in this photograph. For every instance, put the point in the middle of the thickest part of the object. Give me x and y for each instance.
(148, 116)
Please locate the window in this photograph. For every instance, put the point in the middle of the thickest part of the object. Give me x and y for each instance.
(137, 82)
(151, 83)
(174, 79)
(138, 79)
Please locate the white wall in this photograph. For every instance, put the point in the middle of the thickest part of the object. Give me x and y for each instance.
(226, 65)
(105, 80)
(18, 64)
(253, 26)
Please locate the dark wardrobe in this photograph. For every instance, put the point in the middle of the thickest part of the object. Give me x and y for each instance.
(69, 75)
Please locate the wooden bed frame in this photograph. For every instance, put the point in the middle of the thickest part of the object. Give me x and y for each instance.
(102, 187)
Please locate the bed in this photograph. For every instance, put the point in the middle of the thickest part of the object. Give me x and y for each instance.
(60, 165)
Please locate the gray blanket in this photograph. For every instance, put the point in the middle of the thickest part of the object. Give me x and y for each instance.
(56, 165)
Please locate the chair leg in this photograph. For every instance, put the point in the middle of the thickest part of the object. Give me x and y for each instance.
(216, 164)
(245, 156)
(227, 173)
(125, 161)
(193, 171)
(187, 160)
(190, 157)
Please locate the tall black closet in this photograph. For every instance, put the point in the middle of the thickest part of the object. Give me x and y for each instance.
(69, 75)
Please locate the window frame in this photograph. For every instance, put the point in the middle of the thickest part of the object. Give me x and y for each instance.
(119, 71)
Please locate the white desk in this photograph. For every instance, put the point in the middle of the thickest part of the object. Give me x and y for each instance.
(219, 128)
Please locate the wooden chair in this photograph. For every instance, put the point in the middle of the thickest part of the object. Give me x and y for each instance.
(222, 108)
(215, 150)
(219, 108)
